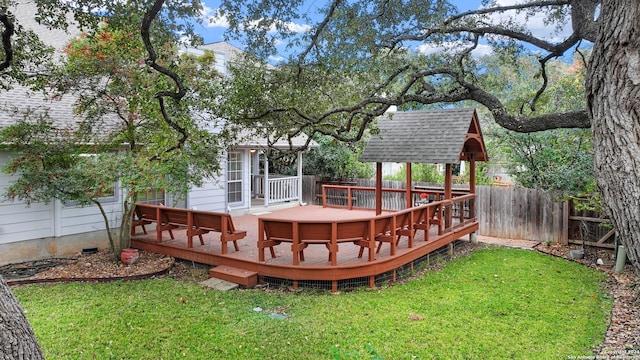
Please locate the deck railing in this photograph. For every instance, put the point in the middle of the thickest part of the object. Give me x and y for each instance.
(455, 212)
(281, 188)
(359, 197)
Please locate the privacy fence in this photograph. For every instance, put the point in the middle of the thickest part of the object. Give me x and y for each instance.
(513, 213)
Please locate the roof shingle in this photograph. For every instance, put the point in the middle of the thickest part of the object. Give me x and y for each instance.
(430, 136)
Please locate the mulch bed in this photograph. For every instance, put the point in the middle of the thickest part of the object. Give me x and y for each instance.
(101, 267)
(621, 340)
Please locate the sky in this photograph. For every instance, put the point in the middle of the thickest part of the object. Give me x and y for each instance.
(212, 31)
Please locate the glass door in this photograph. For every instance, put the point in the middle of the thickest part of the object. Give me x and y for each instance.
(234, 178)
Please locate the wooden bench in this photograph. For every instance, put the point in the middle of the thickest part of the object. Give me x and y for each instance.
(139, 220)
(206, 221)
(427, 215)
(197, 223)
(403, 223)
(149, 214)
(301, 234)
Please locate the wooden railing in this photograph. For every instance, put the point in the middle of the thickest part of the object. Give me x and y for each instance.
(280, 188)
(358, 197)
(389, 227)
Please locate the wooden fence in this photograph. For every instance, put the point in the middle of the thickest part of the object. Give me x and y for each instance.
(516, 213)
(513, 213)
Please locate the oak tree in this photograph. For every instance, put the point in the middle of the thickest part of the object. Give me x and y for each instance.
(357, 58)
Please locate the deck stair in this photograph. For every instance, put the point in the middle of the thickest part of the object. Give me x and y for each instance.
(242, 277)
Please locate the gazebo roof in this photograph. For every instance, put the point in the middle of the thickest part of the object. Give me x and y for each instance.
(430, 136)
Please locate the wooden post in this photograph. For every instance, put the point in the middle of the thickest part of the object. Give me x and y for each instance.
(447, 182)
(408, 187)
(472, 175)
(261, 240)
(564, 236)
(378, 188)
(448, 210)
(473, 237)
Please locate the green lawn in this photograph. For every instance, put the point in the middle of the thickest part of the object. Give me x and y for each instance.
(494, 304)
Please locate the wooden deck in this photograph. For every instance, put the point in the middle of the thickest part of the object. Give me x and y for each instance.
(316, 267)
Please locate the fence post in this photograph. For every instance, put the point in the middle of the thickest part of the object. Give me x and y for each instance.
(564, 232)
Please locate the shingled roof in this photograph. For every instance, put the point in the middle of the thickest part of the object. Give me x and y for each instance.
(19, 101)
(430, 136)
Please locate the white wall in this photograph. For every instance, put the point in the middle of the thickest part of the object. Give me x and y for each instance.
(19, 222)
(211, 196)
(22, 222)
(45, 230)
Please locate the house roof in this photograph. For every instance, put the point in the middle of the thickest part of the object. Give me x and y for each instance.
(430, 136)
(18, 101)
(25, 11)
(247, 140)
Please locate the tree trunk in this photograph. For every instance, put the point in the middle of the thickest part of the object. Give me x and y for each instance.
(613, 100)
(17, 340)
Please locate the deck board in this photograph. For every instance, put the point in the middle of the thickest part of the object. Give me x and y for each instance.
(316, 265)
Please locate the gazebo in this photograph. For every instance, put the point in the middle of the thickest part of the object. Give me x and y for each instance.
(430, 136)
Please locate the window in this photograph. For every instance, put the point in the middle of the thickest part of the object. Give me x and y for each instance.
(152, 197)
(234, 177)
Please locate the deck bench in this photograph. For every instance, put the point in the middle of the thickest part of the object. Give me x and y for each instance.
(206, 221)
(301, 234)
(403, 222)
(149, 214)
(196, 223)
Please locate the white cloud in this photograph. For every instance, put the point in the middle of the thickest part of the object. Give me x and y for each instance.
(535, 23)
(275, 59)
(453, 48)
(213, 19)
(290, 26)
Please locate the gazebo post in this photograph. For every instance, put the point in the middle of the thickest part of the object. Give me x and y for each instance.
(378, 188)
(472, 174)
(408, 186)
(448, 196)
(473, 237)
(447, 182)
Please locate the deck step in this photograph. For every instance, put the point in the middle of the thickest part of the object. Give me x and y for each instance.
(245, 278)
(219, 284)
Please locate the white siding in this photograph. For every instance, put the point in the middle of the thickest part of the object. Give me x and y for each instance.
(19, 222)
(76, 219)
(211, 196)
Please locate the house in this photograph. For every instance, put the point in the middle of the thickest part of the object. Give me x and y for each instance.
(56, 229)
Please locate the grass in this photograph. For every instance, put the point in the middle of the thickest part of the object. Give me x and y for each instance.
(494, 304)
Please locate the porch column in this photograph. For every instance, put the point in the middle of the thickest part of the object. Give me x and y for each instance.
(407, 186)
(266, 180)
(255, 171)
(300, 178)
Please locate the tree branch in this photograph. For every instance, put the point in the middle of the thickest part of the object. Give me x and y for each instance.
(6, 20)
(151, 62)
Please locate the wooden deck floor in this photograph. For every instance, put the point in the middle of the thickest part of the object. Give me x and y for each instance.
(316, 266)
